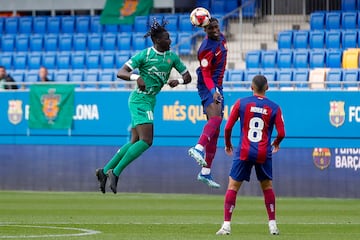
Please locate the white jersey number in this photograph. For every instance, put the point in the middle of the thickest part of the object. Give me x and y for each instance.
(256, 125)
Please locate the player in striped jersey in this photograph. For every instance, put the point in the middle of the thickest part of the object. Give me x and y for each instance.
(212, 58)
(258, 116)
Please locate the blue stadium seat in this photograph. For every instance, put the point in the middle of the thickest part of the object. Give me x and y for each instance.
(231, 5)
(121, 58)
(301, 58)
(284, 58)
(65, 42)
(94, 42)
(301, 76)
(48, 60)
(349, 39)
(109, 42)
(235, 75)
(20, 61)
(333, 39)
(111, 28)
(138, 42)
(22, 43)
(18, 76)
(185, 43)
(203, 3)
(91, 76)
(51, 42)
(249, 74)
(34, 60)
(25, 25)
(268, 59)
(78, 60)
(107, 60)
(350, 78)
(82, 24)
(285, 39)
(124, 42)
(36, 42)
(141, 24)
(333, 58)
(217, 7)
(31, 76)
(333, 20)
(174, 39)
(253, 59)
(61, 76)
(173, 22)
(271, 76)
(334, 75)
(317, 20)
(106, 76)
(1, 25)
(349, 20)
(317, 39)
(184, 23)
(127, 28)
(67, 24)
(95, 26)
(40, 25)
(348, 5)
(63, 61)
(285, 76)
(53, 25)
(250, 8)
(76, 76)
(80, 42)
(301, 39)
(11, 25)
(8, 43)
(317, 58)
(92, 60)
(6, 60)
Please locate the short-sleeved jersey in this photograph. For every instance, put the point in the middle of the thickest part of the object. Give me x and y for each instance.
(258, 115)
(155, 68)
(212, 58)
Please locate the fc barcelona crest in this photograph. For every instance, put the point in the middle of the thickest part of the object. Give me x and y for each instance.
(337, 113)
(15, 111)
(50, 105)
(321, 157)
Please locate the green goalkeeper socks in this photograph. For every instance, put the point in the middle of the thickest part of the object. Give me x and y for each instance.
(117, 157)
(132, 153)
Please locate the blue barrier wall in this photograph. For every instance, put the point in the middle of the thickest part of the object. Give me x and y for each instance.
(319, 157)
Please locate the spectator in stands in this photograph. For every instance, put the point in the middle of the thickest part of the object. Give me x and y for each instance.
(212, 58)
(155, 65)
(43, 74)
(6, 81)
(258, 115)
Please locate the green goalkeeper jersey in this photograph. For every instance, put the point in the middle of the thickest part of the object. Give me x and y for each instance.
(155, 68)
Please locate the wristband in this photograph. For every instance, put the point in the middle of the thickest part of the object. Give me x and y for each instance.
(134, 77)
(180, 80)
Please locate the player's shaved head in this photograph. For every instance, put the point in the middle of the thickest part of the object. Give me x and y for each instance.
(259, 84)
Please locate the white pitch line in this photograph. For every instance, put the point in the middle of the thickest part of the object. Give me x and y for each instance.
(84, 232)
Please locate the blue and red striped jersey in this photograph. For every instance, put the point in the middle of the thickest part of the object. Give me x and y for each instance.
(212, 58)
(258, 116)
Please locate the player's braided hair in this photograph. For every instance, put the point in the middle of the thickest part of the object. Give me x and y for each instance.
(156, 29)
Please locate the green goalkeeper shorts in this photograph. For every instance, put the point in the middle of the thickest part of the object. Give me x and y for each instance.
(141, 108)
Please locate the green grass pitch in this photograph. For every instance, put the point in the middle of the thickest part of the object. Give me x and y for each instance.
(85, 215)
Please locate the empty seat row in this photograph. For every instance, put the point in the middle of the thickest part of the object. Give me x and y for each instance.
(330, 20)
(218, 6)
(88, 24)
(73, 60)
(127, 42)
(301, 58)
(334, 78)
(318, 39)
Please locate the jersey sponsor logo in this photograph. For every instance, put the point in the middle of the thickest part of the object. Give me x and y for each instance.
(337, 113)
(15, 111)
(321, 157)
(204, 62)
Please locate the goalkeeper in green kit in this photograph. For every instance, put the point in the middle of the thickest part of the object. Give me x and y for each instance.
(154, 64)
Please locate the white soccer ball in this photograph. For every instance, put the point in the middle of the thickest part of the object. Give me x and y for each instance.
(200, 17)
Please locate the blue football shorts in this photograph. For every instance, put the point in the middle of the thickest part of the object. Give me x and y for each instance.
(241, 170)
